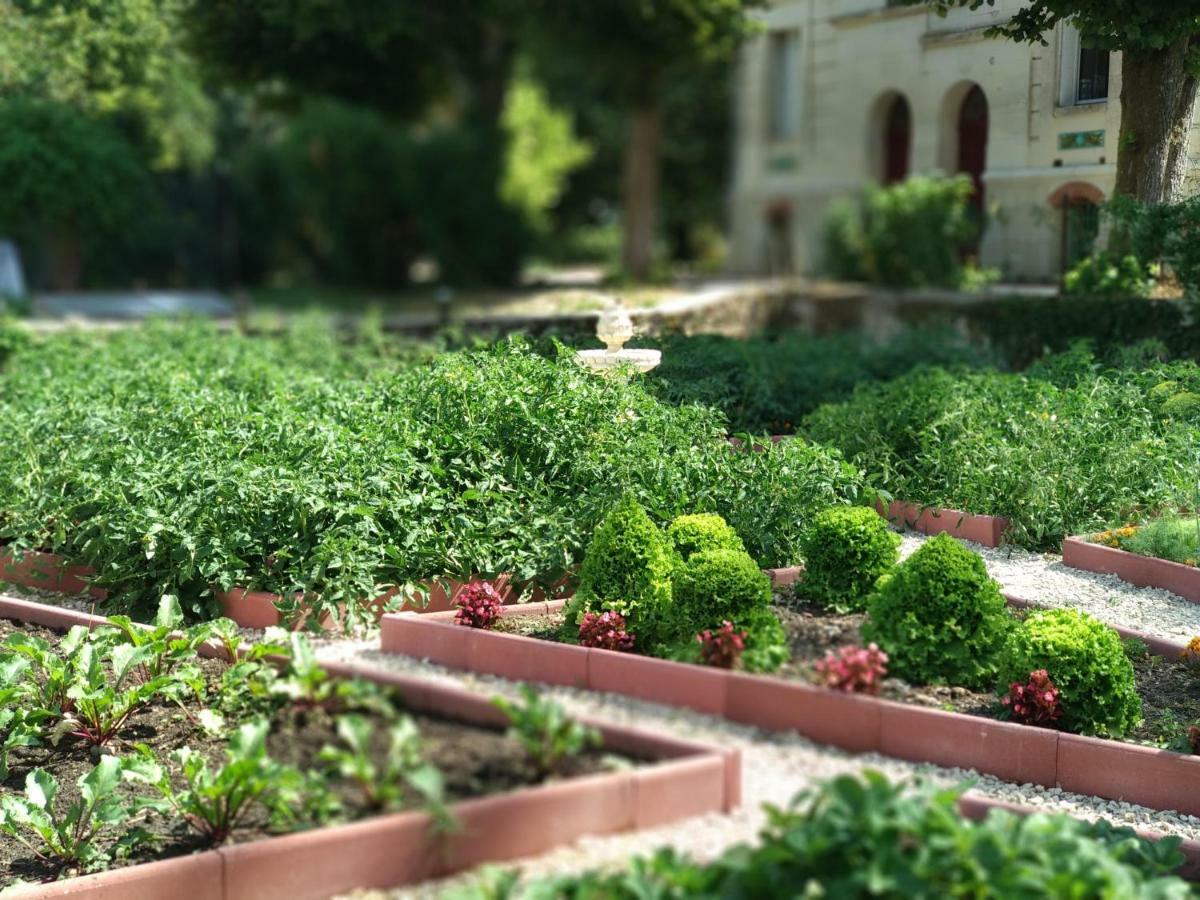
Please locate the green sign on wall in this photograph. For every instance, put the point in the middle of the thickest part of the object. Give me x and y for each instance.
(1080, 140)
(783, 163)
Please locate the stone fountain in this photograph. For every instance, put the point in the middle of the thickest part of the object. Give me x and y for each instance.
(614, 328)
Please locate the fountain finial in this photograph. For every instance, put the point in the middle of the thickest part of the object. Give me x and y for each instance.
(614, 328)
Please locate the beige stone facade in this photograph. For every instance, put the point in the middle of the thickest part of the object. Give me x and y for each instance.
(832, 90)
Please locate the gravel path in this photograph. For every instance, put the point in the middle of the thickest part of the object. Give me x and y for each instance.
(1044, 580)
(774, 767)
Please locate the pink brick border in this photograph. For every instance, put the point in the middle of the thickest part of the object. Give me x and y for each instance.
(1144, 571)
(688, 779)
(857, 723)
(931, 520)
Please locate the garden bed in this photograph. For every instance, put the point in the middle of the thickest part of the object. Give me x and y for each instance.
(503, 806)
(916, 729)
(1144, 571)
(931, 520)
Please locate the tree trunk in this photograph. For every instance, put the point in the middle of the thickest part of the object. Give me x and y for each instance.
(1158, 97)
(643, 149)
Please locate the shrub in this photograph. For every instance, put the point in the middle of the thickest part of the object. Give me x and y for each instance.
(1104, 275)
(626, 569)
(854, 670)
(846, 549)
(939, 617)
(717, 586)
(605, 631)
(904, 235)
(702, 531)
(723, 648)
(1085, 660)
(1036, 702)
(479, 605)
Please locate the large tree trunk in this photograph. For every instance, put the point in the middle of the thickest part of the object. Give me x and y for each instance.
(643, 149)
(1158, 97)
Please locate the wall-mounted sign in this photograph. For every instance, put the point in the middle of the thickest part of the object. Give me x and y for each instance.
(784, 162)
(1080, 140)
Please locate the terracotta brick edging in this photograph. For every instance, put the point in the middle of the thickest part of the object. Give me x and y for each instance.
(976, 806)
(931, 520)
(1143, 571)
(682, 779)
(853, 722)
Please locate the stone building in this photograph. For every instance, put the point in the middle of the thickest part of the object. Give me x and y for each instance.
(833, 94)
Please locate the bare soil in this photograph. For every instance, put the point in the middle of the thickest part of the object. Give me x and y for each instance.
(474, 761)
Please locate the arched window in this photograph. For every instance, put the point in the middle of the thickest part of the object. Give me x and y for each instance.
(972, 142)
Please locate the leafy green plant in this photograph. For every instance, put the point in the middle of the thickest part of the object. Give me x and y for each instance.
(20, 726)
(626, 569)
(717, 586)
(1171, 536)
(68, 837)
(846, 550)
(214, 801)
(544, 730)
(702, 531)
(1104, 275)
(1087, 663)
(940, 618)
(403, 767)
(862, 836)
(906, 235)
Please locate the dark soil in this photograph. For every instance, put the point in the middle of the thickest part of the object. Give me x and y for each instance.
(475, 761)
(1170, 690)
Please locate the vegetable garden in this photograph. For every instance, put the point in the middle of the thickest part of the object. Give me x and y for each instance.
(173, 463)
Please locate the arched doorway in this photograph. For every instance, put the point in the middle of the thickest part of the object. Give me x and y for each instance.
(972, 143)
(1079, 203)
(897, 140)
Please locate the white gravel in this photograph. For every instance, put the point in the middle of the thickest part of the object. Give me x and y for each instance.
(1042, 578)
(774, 767)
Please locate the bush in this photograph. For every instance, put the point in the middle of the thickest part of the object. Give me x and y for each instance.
(697, 532)
(846, 549)
(905, 235)
(1063, 449)
(1036, 702)
(1085, 660)
(940, 618)
(855, 670)
(1104, 275)
(627, 570)
(718, 586)
(605, 631)
(767, 384)
(859, 836)
(479, 605)
(723, 648)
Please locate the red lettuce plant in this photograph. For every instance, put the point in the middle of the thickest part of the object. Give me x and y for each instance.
(605, 631)
(478, 605)
(855, 670)
(1036, 702)
(723, 648)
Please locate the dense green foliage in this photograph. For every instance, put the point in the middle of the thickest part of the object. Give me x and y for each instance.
(767, 384)
(1173, 536)
(902, 235)
(1087, 663)
(716, 586)
(1105, 275)
(859, 837)
(939, 617)
(1062, 449)
(626, 569)
(846, 550)
(173, 459)
(697, 532)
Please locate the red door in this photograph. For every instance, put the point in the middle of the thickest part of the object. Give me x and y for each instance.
(972, 149)
(897, 142)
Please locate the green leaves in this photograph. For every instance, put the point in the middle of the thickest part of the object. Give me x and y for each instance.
(544, 730)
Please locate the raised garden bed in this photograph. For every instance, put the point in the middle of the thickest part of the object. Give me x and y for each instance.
(249, 608)
(931, 520)
(497, 800)
(854, 722)
(1143, 571)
